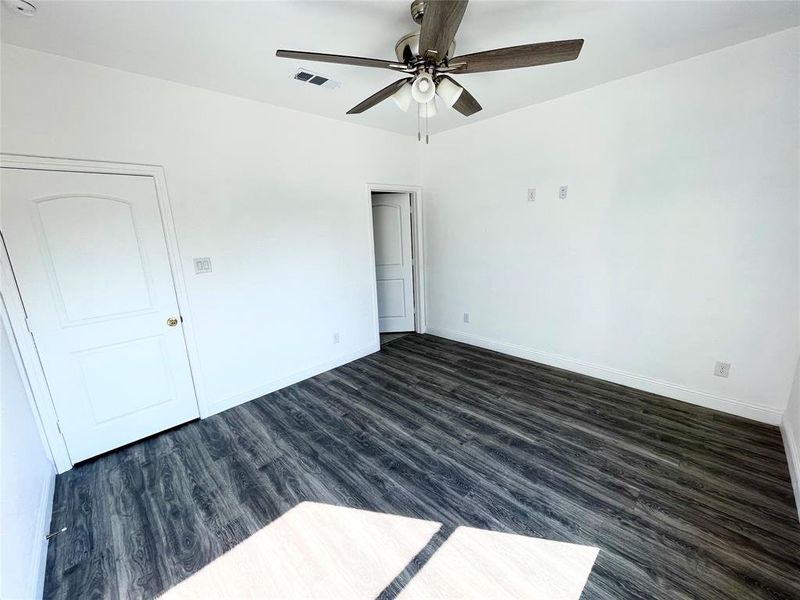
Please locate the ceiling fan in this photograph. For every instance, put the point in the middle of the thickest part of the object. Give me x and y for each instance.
(426, 57)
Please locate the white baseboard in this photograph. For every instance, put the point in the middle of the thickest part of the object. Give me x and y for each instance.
(790, 442)
(39, 558)
(288, 380)
(640, 382)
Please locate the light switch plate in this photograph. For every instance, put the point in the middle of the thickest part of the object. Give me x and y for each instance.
(202, 265)
(531, 194)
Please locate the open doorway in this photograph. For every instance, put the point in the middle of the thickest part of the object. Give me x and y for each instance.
(397, 249)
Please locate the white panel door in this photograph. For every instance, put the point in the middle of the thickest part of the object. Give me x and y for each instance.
(391, 222)
(90, 258)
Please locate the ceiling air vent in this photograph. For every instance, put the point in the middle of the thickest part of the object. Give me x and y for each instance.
(306, 76)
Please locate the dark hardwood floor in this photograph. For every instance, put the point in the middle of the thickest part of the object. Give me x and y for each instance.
(682, 502)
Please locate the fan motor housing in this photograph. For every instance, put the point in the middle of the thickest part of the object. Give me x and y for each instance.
(407, 47)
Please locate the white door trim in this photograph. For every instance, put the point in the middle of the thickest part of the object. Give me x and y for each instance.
(418, 251)
(16, 315)
(27, 361)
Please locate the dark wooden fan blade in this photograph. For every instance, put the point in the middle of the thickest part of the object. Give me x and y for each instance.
(439, 25)
(378, 97)
(466, 103)
(341, 59)
(516, 57)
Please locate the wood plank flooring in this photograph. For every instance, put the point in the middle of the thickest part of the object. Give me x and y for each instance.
(682, 502)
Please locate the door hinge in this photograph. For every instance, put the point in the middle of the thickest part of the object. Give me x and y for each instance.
(58, 426)
(28, 325)
(181, 318)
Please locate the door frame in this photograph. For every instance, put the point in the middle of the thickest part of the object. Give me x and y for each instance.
(417, 251)
(13, 309)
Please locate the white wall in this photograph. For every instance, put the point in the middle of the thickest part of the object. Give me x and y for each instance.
(275, 197)
(791, 435)
(677, 245)
(26, 486)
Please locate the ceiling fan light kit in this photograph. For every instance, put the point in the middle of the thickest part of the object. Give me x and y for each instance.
(427, 58)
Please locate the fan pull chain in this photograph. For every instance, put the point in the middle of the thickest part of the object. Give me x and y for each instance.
(419, 127)
(427, 121)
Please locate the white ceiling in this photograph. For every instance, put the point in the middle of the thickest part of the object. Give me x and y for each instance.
(230, 46)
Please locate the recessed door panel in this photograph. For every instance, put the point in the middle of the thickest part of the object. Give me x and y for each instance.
(391, 222)
(88, 239)
(115, 393)
(388, 222)
(391, 299)
(90, 258)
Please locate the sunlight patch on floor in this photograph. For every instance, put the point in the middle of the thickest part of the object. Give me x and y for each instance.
(330, 552)
(313, 551)
(474, 563)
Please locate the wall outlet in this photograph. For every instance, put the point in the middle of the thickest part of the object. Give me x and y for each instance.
(531, 194)
(202, 265)
(336, 337)
(562, 192)
(722, 369)
(466, 317)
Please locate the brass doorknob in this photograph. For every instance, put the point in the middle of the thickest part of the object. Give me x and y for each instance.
(172, 321)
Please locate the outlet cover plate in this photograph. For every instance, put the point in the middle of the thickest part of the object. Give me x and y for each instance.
(722, 369)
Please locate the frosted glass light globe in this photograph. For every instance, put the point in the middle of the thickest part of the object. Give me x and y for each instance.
(423, 88)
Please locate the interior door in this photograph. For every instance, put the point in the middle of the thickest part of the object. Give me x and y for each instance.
(394, 267)
(90, 258)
